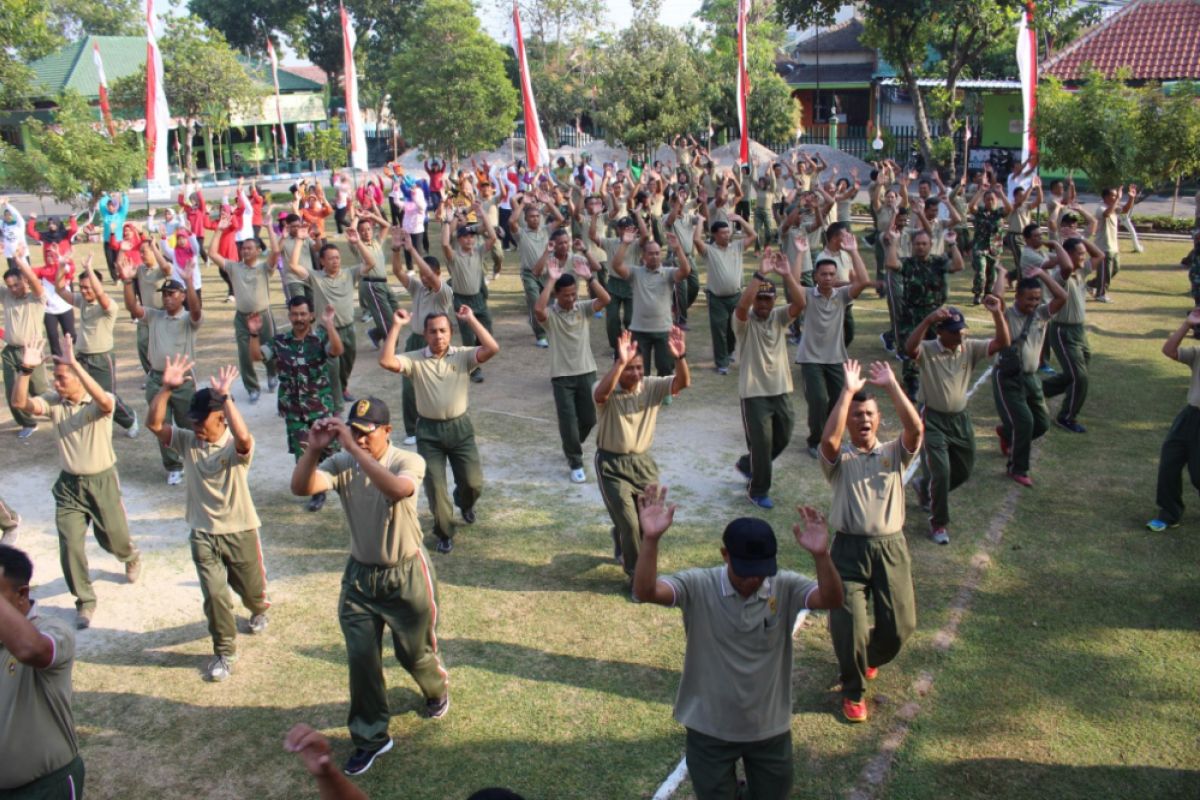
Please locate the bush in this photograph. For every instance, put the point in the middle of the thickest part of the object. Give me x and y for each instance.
(1162, 222)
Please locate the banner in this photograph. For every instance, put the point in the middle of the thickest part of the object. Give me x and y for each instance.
(1027, 66)
(743, 84)
(354, 121)
(278, 109)
(105, 109)
(158, 118)
(536, 154)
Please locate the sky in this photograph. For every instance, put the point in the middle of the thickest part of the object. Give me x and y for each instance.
(677, 13)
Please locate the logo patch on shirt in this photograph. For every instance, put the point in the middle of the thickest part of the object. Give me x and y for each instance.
(773, 604)
(11, 666)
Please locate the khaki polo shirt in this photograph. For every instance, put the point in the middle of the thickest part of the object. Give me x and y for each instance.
(823, 341)
(37, 728)
(737, 665)
(250, 286)
(724, 276)
(22, 317)
(1107, 231)
(946, 374)
(684, 228)
(531, 244)
(845, 268)
(868, 489)
(425, 302)
(82, 431)
(96, 326)
(570, 344)
(466, 269)
(218, 493)
(1018, 219)
(289, 244)
(1191, 357)
(764, 369)
(652, 291)
(170, 336)
(380, 270)
(440, 383)
(149, 287)
(383, 532)
(337, 291)
(1031, 257)
(1031, 347)
(1074, 312)
(626, 421)
(583, 230)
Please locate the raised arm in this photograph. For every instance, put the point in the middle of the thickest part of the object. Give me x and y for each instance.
(177, 368)
(487, 345)
(1170, 348)
(387, 353)
(626, 350)
(654, 518)
(222, 386)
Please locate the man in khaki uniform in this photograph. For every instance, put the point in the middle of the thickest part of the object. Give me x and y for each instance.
(172, 332)
(867, 517)
(653, 286)
(37, 728)
(765, 376)
(95, 349)
(388, 578)
(465, 264)
(250, 279)
(440, 375)
(735, 695)
(24, 307)
(1067, 335)
(216, 451)
(373, 290)
(945, 365)
(296, 238)
(332, 285)
(628, 403)
(88, 490)
(619, 314)
(148, 279)
(723, 273)
(1181, 448)
(572, 365)
(532, 233)
(1106, 238)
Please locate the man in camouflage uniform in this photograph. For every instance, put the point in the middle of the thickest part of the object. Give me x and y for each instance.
(989, 237)
(302, 357)
(924, 282)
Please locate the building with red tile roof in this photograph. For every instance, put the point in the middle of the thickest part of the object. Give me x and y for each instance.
(1156, 40)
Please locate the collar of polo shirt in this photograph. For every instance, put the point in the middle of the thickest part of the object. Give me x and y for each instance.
(727, 589)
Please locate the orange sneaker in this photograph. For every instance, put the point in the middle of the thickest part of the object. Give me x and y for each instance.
(854, 710)
(871, 673)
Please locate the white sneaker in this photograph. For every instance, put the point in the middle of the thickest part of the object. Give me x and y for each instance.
(25, 433)
(410, 440)
(578, 476)
(219, 669)
(134, 428)
(542, 343)
(175, 477)
(258, 623)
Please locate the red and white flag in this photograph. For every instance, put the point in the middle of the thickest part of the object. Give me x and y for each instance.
(354, 120)
(743, 84)
(158, 118)
(278, 109)
(105, 109)
(536, 154)
(1027, 65)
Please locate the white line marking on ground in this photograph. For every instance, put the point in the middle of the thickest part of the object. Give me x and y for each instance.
(510, 414)
(671, 784)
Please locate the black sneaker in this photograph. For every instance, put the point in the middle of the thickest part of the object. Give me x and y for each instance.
(469, 516)
(445, 546)
(477, 375)
(361, 760)
(316, 502)
(742, 465)
(1070, 425)
(437, 707)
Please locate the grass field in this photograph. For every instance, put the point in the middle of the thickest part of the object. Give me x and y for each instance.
(1056, 652)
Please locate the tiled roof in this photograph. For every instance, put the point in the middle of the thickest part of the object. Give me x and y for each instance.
(309, 72)
(798, 75)
(1156, 40)
(842, 38)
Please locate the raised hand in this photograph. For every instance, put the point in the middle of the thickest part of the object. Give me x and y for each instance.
(854, 379)
(176, 371)
(811, 532)
(628, 236)
(1193, 318)
(654, 515)
(222, 382)
(254, 323)
(311, 746)
(849, 242)
(626, 347)
(125, 270)
(672, 240)
(578, 246)
(582, 270)
(322, 433)
(32, 355)
(555, 271)
(352, 235)
(68, 351)
(464, 314)
(400, 317)
(677, 341)
(779, 264)
(397, 234)
(940, 315)
(882, 375)
(800, 242)
(951, 237)
(991, 302)
(328, 315)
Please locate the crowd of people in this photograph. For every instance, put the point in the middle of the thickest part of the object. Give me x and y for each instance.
(642, 239)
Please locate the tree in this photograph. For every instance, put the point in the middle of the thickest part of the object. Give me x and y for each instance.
(326, 145)
(246, 26)
(73, 19)
(651, 83)
(772, 110)
(449, 89)
(1119, 134)
(25, 34)
(73, 158)
(205, 82)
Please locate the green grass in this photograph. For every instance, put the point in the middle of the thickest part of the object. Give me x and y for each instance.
(1072, 675)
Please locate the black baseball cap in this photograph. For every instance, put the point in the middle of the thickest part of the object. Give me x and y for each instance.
(955, 322)
(204, 402)
(751, 546)
(466, 230)
(172, 285)
(368, 414)
(766, 289)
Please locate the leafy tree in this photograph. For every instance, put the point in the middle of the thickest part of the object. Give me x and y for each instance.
(772, 110)
(26, 33)
(205, 82)
(651, 82)
(449, 88)
(75, 18)
(246, 26)
(324, 144)
(72, 158)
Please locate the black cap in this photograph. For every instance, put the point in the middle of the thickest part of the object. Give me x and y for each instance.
(466, 230)
(955, 322)
(204, 402)
(765, 289)
(172, 285)
(368, 414)
(751, 546)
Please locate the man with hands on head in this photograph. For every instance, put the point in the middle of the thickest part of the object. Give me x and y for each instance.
(440, 375)
(388, 578)
(867, 517)
(628, 402)
(653, 286)
(465, 263)
(251, 278)
(945, 364)
(735, 695)
(24, 304)
(172, 332)
(216, 450)
(723, 257)
(88, 489)
(572, 365)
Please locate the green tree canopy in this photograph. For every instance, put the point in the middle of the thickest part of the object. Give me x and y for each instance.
(75, 18)
(26, 33)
